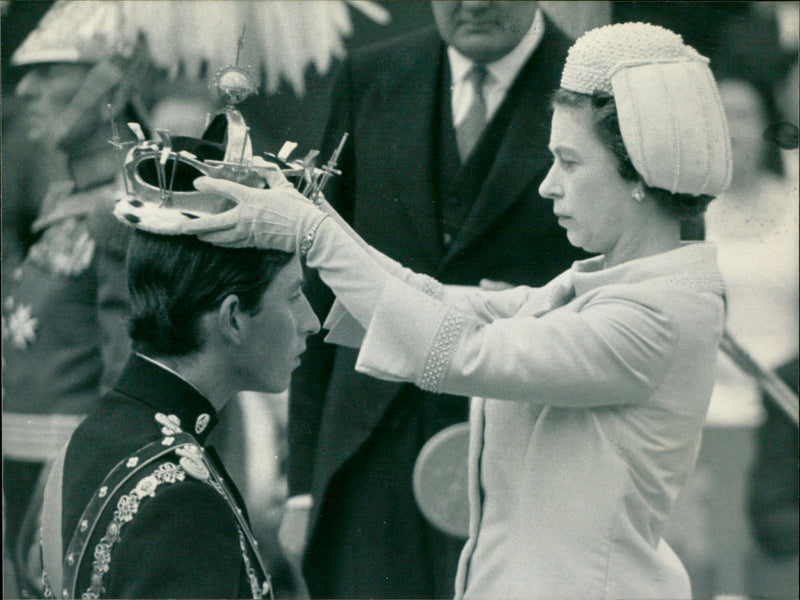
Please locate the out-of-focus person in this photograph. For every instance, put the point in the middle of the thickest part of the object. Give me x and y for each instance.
(774, 500)
(755, 227)
(447, 147)
(64, 307)
(773, 491)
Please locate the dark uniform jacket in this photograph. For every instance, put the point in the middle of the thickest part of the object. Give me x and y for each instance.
(353, 439)
(64, 312)
(166, 529)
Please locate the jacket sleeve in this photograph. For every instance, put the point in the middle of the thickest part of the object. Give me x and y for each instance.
(614, 350)
(182, 543)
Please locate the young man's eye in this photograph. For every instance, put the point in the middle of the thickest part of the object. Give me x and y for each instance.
(567, 163)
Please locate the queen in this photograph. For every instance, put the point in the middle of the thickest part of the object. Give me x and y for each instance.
(590, 392)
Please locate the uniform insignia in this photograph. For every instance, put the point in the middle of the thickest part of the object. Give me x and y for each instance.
(170, 424)
(65, 248)
(194, 468)
(127, 507)
(19, 324)
(202, 423)
(192, 462)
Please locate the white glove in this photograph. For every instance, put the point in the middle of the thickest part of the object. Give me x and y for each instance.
(278, 218)
(391, 266)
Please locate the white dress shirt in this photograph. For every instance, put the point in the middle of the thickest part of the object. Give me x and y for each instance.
(501, 73)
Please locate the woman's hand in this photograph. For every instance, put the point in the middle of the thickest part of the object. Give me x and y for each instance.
(278, 218)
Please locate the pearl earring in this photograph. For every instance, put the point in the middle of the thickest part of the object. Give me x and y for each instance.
(637, 193)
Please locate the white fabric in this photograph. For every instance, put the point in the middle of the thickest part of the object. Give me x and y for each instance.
(278, 218)
(674, 127)
(756, 232)
(670, 113)
(36, 437)
(573, 480)
(501, 73)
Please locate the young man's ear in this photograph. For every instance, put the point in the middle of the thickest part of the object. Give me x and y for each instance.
(229, 319)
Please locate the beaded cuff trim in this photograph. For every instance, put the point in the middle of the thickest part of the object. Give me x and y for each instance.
(442, 350)
(712, 282)
(431, 287)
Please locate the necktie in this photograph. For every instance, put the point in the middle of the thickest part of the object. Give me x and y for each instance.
(470, 129)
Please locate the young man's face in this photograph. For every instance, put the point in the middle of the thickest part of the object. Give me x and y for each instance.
(276, 335)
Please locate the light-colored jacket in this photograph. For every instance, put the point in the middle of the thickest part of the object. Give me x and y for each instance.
(600, 384)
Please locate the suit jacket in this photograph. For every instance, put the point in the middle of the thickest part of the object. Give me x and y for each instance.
(597, 387)
(400, 172)
(180, 541)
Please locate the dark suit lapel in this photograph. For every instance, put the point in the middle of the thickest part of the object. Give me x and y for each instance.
(408, 113)
(522, 154)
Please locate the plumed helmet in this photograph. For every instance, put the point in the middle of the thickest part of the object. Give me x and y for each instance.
(78, 32)
(97, 34)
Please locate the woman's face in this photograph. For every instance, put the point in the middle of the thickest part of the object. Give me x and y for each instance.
(590, 198)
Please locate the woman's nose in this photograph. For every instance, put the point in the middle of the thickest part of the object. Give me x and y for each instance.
(548, 188)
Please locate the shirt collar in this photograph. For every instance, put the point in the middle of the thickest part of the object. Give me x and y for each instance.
(503, 71)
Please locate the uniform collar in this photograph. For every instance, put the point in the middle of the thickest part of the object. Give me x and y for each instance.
(167, 392)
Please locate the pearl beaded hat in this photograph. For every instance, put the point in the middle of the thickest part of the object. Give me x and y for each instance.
(670, 113)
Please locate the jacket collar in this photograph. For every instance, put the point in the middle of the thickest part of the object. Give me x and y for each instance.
(168, 393)
(693, 264)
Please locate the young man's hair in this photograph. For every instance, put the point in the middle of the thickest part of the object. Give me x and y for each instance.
(174, 280)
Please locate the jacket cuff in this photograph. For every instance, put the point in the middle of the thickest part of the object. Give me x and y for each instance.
(412, 337)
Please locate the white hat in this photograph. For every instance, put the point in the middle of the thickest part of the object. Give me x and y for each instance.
(670, 114)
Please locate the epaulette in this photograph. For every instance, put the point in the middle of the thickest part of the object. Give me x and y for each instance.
(150, 468)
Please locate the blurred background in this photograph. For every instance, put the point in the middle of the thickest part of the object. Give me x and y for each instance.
(736, 524)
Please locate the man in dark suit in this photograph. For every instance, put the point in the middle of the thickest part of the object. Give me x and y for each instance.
(448, 144)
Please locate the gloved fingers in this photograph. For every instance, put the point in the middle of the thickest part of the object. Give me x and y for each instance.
(276, 179)
(225, 239)
(223, 221)
(223, 187)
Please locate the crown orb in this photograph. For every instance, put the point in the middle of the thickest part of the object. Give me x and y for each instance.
(234, 85)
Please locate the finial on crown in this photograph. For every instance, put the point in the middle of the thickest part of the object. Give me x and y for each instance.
(234, 84)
